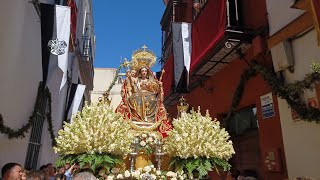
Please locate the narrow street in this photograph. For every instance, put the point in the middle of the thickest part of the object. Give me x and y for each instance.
(161, 89)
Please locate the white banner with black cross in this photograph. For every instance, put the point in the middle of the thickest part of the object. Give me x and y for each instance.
(55, 34)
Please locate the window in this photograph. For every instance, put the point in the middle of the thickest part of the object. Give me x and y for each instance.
(242, 121)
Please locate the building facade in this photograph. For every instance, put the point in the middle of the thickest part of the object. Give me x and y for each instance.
(228, 38)
(243, 55)
(25, 74)
(294, 47)
(103, 78)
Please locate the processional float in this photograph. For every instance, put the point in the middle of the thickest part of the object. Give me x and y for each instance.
(142, 106)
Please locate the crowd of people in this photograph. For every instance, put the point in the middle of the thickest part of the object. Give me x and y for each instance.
(14, 171)
(235, 174)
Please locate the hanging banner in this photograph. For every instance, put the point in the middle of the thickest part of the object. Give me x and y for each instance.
(55, 35)
(77, 99)
(181, 37)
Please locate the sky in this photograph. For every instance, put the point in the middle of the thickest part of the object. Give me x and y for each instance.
(122, 27)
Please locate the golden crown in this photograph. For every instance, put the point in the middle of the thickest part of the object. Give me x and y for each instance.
(142, 58)
(183, 106)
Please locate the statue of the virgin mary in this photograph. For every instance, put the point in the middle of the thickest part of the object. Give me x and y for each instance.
(142, 95)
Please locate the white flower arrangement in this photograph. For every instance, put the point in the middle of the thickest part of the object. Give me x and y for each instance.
(96, 129)
(148, 172)
(146, 141)
(195, 136)
(197, 143)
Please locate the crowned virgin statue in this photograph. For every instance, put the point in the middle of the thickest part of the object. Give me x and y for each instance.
(142, 95)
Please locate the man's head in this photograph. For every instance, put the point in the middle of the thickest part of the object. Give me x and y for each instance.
(44, 169)
(50, 170)
(11, 171)
(67, 166)
(36, 175)
(84, 176)
(62, 170)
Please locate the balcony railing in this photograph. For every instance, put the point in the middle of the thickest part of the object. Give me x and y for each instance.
(167, 48)
(86, 49)
(226, 47)
(88, 43)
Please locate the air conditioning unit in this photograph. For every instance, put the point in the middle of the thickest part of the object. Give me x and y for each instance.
(282, 56)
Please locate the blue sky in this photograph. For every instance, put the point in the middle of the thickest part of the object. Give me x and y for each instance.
(124, 26)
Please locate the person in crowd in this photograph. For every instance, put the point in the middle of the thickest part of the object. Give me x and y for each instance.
(69, 174)
(67, 166)
(11, 171)
(24, 174)
(250, 174)
(84, 176)
(60, 173)
(51, 172)
(196, 5)
(45, 170)
(36, 175)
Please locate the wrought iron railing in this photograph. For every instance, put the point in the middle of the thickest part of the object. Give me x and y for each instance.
(88, 43)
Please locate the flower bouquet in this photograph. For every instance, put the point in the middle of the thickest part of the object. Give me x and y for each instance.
(146, 173)
(197, 143)
(146, 141)
(96, 137)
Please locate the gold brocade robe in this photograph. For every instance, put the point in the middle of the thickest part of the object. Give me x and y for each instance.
(143, 102)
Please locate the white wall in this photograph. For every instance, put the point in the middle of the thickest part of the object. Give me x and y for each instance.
(102, 80)
(47, 155)
(280, 14)
(20, 72)
(301, 139)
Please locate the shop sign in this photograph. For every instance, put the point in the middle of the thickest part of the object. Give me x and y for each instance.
(267, 106)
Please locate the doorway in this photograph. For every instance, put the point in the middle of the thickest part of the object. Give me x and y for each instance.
(244, 131)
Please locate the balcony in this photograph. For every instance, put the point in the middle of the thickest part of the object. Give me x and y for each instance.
(229, 48)
(216, 42)
(86, 51)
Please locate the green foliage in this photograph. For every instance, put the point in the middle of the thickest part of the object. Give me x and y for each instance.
(149, 150)
(199, 166)
(43, 93)
(93, 161)
(289, 92)
(220, 163)
(124, 64)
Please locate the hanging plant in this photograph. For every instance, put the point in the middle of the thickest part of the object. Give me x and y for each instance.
(43, 92)
(289, 92)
